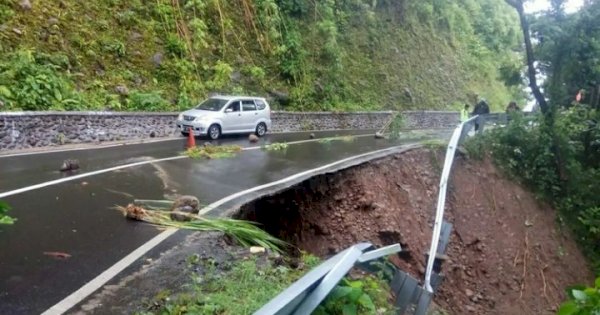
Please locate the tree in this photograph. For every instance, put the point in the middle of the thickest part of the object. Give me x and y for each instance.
(537, 93)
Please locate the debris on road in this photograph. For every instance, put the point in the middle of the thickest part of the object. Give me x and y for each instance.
(57, 255)
(69, 165)
(245, 233)
(183, 206)
(253, 138)
(213, 152)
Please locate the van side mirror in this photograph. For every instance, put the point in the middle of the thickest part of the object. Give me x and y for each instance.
(228, 110)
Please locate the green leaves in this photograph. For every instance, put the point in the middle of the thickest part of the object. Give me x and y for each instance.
(5, 219)
(582, 300)
(356, 297)
(30, 84)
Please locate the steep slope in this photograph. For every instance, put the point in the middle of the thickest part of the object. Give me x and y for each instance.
(351, 54)
(507, 252)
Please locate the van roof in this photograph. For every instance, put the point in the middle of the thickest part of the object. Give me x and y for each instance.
(230, 97)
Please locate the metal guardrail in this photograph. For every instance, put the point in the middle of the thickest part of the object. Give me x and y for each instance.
(458, 136)
(305, 295)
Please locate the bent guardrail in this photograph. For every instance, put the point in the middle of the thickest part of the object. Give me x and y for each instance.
(458, 136)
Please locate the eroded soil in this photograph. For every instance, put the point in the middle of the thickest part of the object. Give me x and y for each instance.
(507, 253)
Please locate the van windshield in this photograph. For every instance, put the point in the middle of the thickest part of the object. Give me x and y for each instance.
(212, 104)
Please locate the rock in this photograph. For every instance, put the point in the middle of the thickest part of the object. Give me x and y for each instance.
(69, 165)
(152, 134)
(253, 138)
(184, 205)
(236, 76)
(207, 144)
(379, 135)
(25, 5)
(122, 90)
(52, 21)
(157, 59)
(469, 293)
(135, 36)
(470, 308)
(312, 136)
(281, 97)
(17, 31)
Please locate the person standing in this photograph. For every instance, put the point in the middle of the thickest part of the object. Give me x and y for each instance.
(482, 108)
(464, 113)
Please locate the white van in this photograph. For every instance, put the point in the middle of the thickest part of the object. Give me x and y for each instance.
(220, 115)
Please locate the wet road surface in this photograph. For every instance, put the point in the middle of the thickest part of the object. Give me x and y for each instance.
(23, 170)
(76, 217)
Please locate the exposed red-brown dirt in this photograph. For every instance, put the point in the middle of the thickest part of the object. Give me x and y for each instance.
(507, 254)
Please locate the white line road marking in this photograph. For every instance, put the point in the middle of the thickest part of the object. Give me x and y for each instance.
(71, 178)
(95, 284)
(104, 277)
(218, 203)
(146, 141)
(110, 169)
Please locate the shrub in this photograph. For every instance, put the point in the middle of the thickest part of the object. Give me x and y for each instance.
(27, 84)
(150, 101)
(582, 300)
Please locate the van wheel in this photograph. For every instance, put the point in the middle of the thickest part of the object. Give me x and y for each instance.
(214, 132)
(261, 129)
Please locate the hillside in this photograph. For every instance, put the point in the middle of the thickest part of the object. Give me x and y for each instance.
(308, 55)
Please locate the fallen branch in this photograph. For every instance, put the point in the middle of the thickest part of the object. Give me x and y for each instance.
(246, 233)
(525, 256)
(545, 285)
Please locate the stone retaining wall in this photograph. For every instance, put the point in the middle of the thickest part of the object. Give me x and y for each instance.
(20, 130)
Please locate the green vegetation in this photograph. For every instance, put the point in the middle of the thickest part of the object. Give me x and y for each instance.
(582, 300)
(276, 146)
(366, 295)
(323, 55)
(244, 233)
(560, 164)
(4, 218)
(213, 152)
(328, 140)
(242, 286)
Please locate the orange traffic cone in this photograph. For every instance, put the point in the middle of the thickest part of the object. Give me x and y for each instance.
(191, 139)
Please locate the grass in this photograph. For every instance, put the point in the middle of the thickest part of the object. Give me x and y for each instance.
(328, 140)
(213, 152)
(277, 146)
(243, 285)
(434, 144)
(401, 55)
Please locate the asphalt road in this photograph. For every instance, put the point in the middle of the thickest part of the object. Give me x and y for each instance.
(77, 217)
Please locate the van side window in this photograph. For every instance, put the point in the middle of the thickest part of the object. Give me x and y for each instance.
(235, 106)
(260, 104)
(248, 105)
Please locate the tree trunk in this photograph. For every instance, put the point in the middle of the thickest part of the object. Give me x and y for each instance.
(539, 97)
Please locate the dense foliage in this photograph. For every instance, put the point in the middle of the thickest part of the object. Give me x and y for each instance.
(324, 55)
(568, 52)
(558, 153)
(582, 300)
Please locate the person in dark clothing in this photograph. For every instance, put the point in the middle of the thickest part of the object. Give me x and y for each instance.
(482, 108)
(512, 107)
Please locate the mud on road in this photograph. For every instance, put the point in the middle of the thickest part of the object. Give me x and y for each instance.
(507, 254)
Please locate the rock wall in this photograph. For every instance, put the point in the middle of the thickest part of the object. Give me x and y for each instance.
(20, 130)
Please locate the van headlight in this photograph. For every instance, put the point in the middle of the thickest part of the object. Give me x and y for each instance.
(202, 118)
